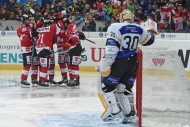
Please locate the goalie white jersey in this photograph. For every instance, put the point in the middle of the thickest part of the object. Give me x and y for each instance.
(123, 39)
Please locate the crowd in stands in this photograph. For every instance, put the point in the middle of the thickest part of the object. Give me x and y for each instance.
(171, 15)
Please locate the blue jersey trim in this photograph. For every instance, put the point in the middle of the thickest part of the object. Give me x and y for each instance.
(112, 42)
(112, 81)
(131, 29)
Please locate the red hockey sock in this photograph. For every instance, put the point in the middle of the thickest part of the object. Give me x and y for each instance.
(75, 71)
(34, 72)
(25, 72)
(63, 69)
(51, 71)
(43, 73)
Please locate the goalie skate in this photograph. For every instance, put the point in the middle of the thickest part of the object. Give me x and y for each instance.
(129, 118)
(114, 117)
(25, 84)
(35, 83)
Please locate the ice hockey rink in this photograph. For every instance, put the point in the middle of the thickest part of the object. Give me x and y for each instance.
(54, 107)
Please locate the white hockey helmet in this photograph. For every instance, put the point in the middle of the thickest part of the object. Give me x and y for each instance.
(126, 15)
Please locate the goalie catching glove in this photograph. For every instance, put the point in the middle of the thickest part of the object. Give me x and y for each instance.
(150, 25)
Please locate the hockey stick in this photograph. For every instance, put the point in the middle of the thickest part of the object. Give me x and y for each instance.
(61, 51)
(90, 41)
(34, 41)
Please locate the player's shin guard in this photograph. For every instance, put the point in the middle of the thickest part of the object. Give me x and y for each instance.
(127, 105)
(108, 100)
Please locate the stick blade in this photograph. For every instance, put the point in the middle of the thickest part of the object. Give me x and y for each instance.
(32, 11)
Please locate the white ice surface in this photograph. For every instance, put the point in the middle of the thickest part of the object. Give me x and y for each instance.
(54, 107)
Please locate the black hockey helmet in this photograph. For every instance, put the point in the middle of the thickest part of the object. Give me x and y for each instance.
(25, 17)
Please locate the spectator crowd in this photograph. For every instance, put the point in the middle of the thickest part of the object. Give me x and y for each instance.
(171, 15)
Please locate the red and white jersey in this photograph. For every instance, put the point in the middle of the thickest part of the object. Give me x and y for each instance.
(71, 42)
(39, 24)
(165, 12)
(71, 37)
(45, 37)
(24, 34)
(178, 21)
(61, 39)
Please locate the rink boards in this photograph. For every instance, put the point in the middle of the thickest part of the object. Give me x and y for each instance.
(11, 57)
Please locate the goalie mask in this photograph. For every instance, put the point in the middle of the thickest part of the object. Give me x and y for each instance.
(126, 15)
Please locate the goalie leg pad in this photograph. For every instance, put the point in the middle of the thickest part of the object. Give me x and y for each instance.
(123, 99)
(127, 103)
(109, 103)
(111, 112)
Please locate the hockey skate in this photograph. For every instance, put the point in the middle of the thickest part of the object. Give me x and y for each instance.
(114, 117)
(47, 81)
(25, 84)
(35, 83)
(52, 82)
(73, 83)
(63, 82)
(43, 85)
(129, 118)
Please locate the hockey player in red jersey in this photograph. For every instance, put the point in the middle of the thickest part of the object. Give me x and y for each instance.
(61, 40)
(25, 34)
(74, 50)
(35, 64)
(43, 47)
(51, 71)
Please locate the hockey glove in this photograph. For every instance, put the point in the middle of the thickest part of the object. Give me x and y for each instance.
(82, 36)
(34, 34)
(105, 66)
(151, 26)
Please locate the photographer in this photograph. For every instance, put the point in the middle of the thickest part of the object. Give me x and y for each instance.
(89, 24)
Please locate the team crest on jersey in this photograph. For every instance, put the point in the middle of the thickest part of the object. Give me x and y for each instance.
(23, 29)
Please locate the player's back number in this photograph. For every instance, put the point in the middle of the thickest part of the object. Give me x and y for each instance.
(131, 43)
